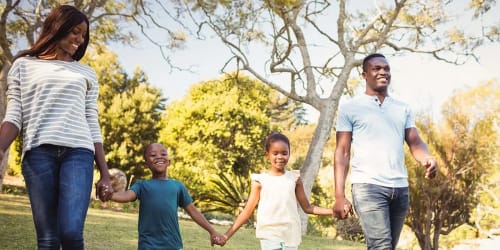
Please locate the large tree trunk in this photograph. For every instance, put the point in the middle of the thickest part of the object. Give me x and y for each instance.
(3, 105)
(310, 169)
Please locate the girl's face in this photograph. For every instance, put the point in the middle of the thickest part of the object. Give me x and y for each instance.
(67, 46)
(278, 154)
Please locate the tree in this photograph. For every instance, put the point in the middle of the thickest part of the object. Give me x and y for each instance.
(130, 112)
(20, 22)
(291, 32)
(220, 126)
(466, 148)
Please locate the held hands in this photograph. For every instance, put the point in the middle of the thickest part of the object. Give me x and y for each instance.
(104, 190)
(431, 166)
(342, 208)
(218, 239)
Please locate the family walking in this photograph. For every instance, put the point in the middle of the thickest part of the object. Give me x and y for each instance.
(52, 104)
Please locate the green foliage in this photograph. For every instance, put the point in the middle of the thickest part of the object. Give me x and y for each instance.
(465, 146)
(226, 193)
(14, 164)
(218, 127)
(130, 112)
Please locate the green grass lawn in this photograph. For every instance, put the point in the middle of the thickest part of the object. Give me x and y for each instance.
(107, 230)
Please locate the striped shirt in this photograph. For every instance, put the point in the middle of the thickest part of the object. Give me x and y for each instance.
(53, 102)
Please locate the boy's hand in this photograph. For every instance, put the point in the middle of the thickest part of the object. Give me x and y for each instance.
(218, 239)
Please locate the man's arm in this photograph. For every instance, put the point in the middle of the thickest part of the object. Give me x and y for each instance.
(342, 157)
(420, 152)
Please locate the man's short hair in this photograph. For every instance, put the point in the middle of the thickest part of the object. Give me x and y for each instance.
(369, 57)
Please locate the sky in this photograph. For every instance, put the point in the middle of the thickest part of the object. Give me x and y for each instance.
(423, 82)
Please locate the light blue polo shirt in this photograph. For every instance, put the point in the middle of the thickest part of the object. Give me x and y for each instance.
(378, 136)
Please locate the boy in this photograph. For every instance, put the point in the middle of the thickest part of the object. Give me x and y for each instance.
(159, 198)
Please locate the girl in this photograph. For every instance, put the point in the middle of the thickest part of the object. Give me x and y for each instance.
(277, 192)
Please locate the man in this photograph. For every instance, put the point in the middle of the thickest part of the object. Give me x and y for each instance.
(376, 126)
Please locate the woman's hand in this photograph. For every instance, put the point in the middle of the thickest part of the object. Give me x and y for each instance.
(104, 190)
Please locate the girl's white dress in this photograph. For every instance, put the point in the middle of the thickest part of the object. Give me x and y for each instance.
(277, 213)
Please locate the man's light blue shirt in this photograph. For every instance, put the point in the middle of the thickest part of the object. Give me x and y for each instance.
(378, 136)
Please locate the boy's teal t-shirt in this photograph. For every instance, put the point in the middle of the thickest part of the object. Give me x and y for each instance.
(158, 219)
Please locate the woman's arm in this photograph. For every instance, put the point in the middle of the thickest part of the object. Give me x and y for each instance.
(103, 186)
(8, 133)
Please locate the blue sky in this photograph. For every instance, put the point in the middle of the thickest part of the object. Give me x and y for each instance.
(421, 81)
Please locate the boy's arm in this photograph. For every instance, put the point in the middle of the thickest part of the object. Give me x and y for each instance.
(197, 216)
(124, 196)
(253, 199)
(304, 202)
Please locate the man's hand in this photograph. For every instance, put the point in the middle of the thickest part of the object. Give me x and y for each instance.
(431, 166)
(342, 208)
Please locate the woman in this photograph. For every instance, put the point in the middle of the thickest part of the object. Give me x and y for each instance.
(53, 99)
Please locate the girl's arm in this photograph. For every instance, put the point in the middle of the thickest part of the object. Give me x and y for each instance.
(124, 196)
(253, 199)
(304, 202)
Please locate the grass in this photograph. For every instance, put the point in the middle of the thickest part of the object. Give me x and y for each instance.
(107, 229)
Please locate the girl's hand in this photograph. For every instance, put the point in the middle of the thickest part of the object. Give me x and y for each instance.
(218, 239)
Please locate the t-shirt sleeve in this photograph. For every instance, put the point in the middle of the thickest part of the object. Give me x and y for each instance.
(410, 118)
(183, 197)
(137, 189)
(343, 120)
(256, 177)
(295, 174)
(13, 113)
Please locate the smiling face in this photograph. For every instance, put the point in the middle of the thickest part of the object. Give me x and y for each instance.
(68, 45)
(156, 157)
(377, 74)
(278, 155)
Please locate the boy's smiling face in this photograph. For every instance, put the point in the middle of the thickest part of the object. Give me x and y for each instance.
(156, 157)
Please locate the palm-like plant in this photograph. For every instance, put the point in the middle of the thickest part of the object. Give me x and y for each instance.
(227, 193)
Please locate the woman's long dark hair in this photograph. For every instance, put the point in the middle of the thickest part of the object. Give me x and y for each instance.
(59, 23)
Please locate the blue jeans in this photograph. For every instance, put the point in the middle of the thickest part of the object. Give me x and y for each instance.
(59, 182)
(382, 211)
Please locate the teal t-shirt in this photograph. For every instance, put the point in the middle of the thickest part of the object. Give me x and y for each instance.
(158, 220)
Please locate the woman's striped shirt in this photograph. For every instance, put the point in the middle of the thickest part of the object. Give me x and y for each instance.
(53, 102)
